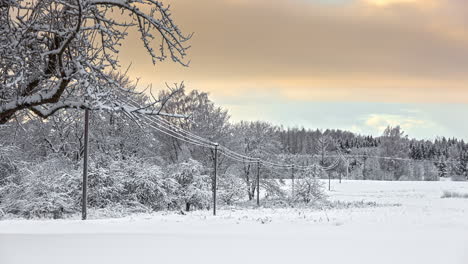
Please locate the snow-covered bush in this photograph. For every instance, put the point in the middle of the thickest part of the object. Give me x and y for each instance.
(105, 187)
(449, 194)
(309, 189)
(147, 185)
(457, 178)
(272, 188)
(7, 162)
(42, 190)
(193, 186)
(131, 183)
(231, 189)
(52, 188)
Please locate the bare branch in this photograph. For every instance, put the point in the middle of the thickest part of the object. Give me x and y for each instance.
(50, 58)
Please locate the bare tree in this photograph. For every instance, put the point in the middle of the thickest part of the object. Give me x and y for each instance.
(255, 139)
(57, 54)
(324, 145)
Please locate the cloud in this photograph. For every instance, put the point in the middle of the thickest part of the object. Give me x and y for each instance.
(378, 122)
(396, 2)
(389, 2)
(309, 50)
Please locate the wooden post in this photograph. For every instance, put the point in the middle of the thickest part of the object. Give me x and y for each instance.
(215, 176)
(258, 182)
(84, 197)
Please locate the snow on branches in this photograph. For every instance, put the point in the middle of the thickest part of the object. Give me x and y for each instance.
(57, 54)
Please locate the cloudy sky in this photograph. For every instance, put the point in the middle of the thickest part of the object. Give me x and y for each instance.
(351, 64)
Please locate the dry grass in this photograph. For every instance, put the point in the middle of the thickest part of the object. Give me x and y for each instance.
(448, 194)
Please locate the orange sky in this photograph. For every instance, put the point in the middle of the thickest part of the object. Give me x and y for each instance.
(334, 50)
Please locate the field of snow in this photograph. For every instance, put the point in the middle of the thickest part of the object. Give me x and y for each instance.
(398, 222)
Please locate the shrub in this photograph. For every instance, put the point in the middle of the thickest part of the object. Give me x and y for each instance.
(131, 183)
(52, 189)
(231, 189)
(309, 188)
(458, 178)
(448, 194)
(147, 185)
(272, 188)
(193, 186)
(7, 163)
(42, 190)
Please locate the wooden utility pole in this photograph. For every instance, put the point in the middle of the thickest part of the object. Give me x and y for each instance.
(215, 176)
(258, 182)
(84, 197)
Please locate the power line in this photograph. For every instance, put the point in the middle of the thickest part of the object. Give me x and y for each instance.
(177, 136)
(164, 126)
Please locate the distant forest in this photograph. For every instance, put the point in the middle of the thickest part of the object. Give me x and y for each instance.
(425, 159)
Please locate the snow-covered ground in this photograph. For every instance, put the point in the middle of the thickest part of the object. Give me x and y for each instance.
(410, 224)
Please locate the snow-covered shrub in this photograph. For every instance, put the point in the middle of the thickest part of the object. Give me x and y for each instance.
(53, 188)
(458, 178)
(7, 162)
(272, 188)
(309, 189)
(147, 185)
(105, 187)
(430, 172)
(42, 190)
(131, 183)
(193, 186)
(449, 194)
(231, 189)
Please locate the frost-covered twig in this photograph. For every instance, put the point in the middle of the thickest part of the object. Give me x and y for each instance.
(57, 54)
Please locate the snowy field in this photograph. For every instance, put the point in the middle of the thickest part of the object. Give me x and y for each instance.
(410, 223)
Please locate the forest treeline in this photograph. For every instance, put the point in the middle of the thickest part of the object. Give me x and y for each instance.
(415, 159)
(133, 165)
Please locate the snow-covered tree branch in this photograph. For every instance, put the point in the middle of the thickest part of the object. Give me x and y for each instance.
(57, 54)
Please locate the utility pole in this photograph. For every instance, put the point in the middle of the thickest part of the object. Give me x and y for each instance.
(258, 182)
(84, 197)
(292, 178)
(215, 176)
(347, 170)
